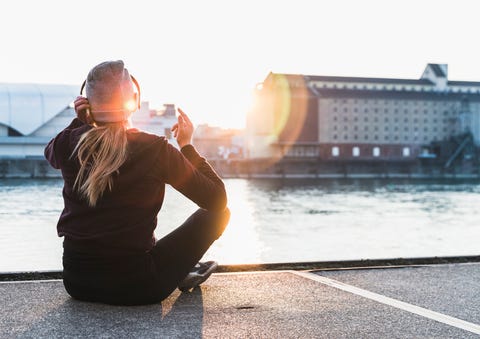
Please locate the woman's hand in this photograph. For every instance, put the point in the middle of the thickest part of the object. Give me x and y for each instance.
(183, 129)
(82, 108)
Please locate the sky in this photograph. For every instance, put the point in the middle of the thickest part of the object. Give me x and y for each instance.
(207, 56)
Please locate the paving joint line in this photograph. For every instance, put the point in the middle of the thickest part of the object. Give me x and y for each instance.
(424, 312)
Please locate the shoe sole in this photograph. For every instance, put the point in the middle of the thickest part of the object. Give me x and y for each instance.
(198, 279)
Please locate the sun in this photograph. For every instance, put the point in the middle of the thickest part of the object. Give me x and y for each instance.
(130, 105)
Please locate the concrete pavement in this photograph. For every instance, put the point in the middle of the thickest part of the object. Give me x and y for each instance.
(419, 301)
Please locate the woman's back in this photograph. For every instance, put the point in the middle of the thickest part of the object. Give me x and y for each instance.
(114, 186)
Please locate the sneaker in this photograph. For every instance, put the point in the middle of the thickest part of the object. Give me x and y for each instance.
(197, 275)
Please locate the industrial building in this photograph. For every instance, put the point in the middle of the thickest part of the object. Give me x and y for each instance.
(327, 120)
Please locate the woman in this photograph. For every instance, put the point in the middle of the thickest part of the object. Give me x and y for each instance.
(114, 185)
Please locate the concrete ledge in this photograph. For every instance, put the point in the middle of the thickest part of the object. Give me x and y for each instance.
(422, 301)
(314, 265)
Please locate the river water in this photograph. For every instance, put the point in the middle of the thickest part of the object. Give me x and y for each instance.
(276, 220)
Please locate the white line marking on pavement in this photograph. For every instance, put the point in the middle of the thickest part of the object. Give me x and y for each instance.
(462, 324)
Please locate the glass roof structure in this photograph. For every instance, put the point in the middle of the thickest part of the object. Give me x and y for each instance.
(26, 107)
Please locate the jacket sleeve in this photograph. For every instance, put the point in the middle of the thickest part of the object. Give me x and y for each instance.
(192, 175)
(53, 150)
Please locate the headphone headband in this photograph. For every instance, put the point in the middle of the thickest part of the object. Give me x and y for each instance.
(135, 82)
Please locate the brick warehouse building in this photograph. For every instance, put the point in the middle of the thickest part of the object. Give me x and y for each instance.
(353, 120)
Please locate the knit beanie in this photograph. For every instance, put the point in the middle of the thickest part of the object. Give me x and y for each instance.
(109, 89)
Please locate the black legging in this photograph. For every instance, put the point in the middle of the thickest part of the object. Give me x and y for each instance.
(146, 278)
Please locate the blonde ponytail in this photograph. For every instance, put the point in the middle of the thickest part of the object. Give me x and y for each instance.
(101, 151)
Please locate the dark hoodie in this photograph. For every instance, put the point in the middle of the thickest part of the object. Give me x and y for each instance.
(124, 219)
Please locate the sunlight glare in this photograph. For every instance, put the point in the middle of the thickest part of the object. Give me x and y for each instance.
(240, 243)
(130, 105)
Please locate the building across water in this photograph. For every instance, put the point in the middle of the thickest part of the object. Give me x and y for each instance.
(328, 124)
(300, 125)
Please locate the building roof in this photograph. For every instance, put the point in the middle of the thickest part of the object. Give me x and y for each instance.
(369, 80)
(25, 107)
(437, 70)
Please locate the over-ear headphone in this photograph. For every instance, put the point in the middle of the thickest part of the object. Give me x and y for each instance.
(135, 82)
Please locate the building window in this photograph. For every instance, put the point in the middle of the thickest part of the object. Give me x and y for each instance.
(406, 151)
(335, 151)
(356, 151)
(376, 151)
(335, 109)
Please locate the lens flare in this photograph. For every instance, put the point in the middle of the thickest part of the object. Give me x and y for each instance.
(130, 105)
(278, 118)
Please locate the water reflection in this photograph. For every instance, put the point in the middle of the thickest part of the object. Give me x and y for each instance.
(277, 220)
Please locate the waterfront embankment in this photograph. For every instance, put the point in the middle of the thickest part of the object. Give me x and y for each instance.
(228, 168)
(377, 301)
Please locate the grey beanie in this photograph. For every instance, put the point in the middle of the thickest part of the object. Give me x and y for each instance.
(108, 88)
